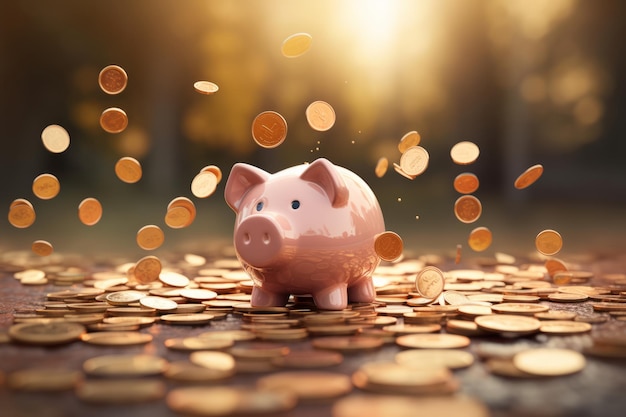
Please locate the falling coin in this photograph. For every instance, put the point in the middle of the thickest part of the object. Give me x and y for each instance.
(549, 361)
(528, 177)
(113, 120)
(414, 161)
(269, 129)
(55, 138)
(467, 209)
(215, 170)
(429, 282)
(150, 237)
(46, 186)
(466, 183)
(479, 239)
(388, 246)
(181, 212)
(205, 87)
(42, 248)
(112, 79)
(21, 214)
(296, 45)
(128, 169)
(320, 115)
(203, 184)
(464, 153)
(409, 140)
(381, 167)
(147, 269)
(90, 211)
(549, 242)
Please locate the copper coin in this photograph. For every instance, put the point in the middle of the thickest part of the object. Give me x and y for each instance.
(42, 248)
(381, 167)
(205, 87)
(269, 129)
(46, 186)
(90, 211)
(466, 183)
(112, 79)
(296, 45)
(414, 161)
(113, 120)
(320, 115)
(22, 214)
(429, 282)
(55, 138)
(528, 177)
(464, 153)
(548, 242)
(128, 169)
(433, 341)
(147, 269)
(467, 209)
(409, 140)
(479, 239)
(388, 246)
(215, 170)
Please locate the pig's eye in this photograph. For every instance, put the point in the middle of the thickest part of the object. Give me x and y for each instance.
(259, 206)
(295, 204)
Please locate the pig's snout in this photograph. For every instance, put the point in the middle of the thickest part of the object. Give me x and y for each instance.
(259, 240)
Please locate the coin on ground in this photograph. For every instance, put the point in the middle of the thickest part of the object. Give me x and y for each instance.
(467, 208)
(112, 79)
(307, 385)
(347, 344)
(433, 341)
(55, 139)
(46, 186)
(549, 242)
(466, 183)
(449, 358)
(389, 377)
(564, 327)
(429, 282)
(147, 269)
(269, 129)
(381, 167)
(406, 406)
(42, 248)
(116, 338)
(414, 161)
(183, 371)
(205, 87)
(128, 170)
(203, 184)
(124, 297)
(120, 391)
(526, 309)
(43, 379)
(46, 333)
(528, 177)
(464, 153)
(125, 365)
(549, 361)
(198, 343)
(308, 359)
(21, 214)
(320, 115)
(388, 246)
(158, 303)
(479, 239)
(150, 237)
(113, 120)
(90, 211)
(187, 319)
(409, 140)
(506, 323)
(219, 361)
(296, 45)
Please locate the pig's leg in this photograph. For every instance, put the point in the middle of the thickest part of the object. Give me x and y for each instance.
(263, 298)
(332, 298)
(362, 292)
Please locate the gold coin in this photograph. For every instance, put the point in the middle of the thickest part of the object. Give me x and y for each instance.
(150, 237)
(21, 214)
(112, 79)
(549, 361)
(464, 153)
(429, 282)
(320, 115)
(113, 120)
(177, 218)
(128, 169)
(388, 246)
(55, 138)
(548, 242)
(409, 140)
(46, 186)
(504, 323)
(116, 338)
(147, 269)
(564, 327)
(308, 359)
(42, 248)
(466, 183)
(467, 209)
(414, 161)
(205, 87)
(198, 343)
(158, 303)
(406, 406)
(125, 365)
(479, 239)
(528, 177)
(43, 379)
(381, 167)
(307, 385)
(433, 341)
(120, 391)
(296, 45)
(46, 333)
(269, 129)
(203, 184)
(448, 358)
(89, 211)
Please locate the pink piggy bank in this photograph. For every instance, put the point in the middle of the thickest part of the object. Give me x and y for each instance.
(309, 229)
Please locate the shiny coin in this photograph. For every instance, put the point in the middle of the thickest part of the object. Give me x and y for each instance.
(320, 115)
(147, 269)
(203, 184)
(562, 297)
(43, 379)
(269, 129)
(215, 170)
(466, 183)
(112, 79)
(347, 344)
(181, 212)
(405, 406)
(219, 361)
(556, 315)
(409, 140)
(198, 294)
(116, 338)
(414, 161)
(46, 333)
(296, 45)
(113, 120)
(564, 327)
(150, 237)
(549, 361)
(205, 87)
(187, 319)
(527, 309)
(528, 177)
(307, 385)
(258, 350)
(433, 341)
(389, 377)
(55, 138)
(448, 358)
(128, 170)
(122, 298)
(381, 167)
(234, 335)
(21, 214)
(400, 171)
(549, 242)
(198, 343)
(388, 246)
(554, 266)
(158, 303)
(125, 365)
(479, 239)
(183, 371)
(89, 211)
(308, 359)
(46, 186)
(42, 248)
(505, 323)
(174, 279)
(400, 329)
(467, 209)
(120, 391)
(464, 153)
(429, 282)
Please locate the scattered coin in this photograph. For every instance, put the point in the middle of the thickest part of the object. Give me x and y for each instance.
(187, 319)
(150, 237)
(507, 323)
(392, 378)
(296, 45)
(528, 177)
(464, 153)
(430, 282)
(564, 327)
(46, 333)
(203, 184)
(409, 140)
(120, 391)
(198, 343)
(128, 170)
(119, 338)
(123, 298)
(205, 87)
(112, 79)
(466, 183)
(549, 361)
(218, 361)
(320, 115)
(55, 139)
(42, 248)
(158, 303)
(467, 209)
(147, 269)
(198, 294)
(448, 358)
(381, 167)
(21, 214)
(405, 406)
(174, 279)
(414, 161)
(113, 120)
(269, 129)
(400, 171)
(181, 212)
(215, 170)
(308, 359)
(388, 246)
(46, 186)
(479, 239)
(347, 344)
(43, 379)
(433, 341)
(126, 365)
(307, 385)
(549, 242)
(89, 211)
(527, 309)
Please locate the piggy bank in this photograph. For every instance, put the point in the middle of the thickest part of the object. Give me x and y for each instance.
(309, 229)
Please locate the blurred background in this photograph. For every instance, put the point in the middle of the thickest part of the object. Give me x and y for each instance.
(528, 81)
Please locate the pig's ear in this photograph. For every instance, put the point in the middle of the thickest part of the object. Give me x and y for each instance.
(242, 177)
(323, 173)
